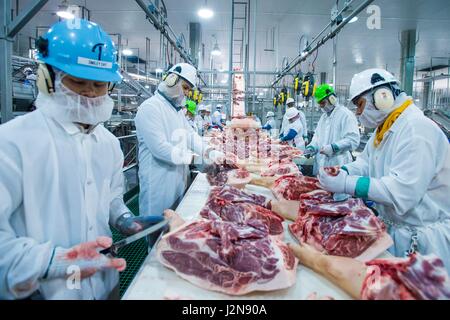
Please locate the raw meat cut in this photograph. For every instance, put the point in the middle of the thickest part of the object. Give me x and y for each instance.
(242, 209)
(235, 195)
(414, 278)
(332, 171)
(292, 187)
(341, 228)
(281, 169)
(229, 258)
(220, 174)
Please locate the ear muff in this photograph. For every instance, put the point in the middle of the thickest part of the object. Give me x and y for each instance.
(171, 79)
(383, 99)
(45, 79)
(332, 99)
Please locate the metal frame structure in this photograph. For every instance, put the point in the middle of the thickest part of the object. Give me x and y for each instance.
(318, 43)
(8, 30)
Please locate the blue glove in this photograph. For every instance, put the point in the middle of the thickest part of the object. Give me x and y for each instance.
(129, 224)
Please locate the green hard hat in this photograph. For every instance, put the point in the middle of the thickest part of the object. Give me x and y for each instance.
(191, 107)
(323, 91)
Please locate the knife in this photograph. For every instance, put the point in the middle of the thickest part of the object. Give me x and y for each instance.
(114, 249)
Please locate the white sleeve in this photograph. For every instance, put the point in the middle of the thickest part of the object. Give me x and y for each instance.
(413, 166)
(360, 167)
(350, 134)
(304, 123)
(23, 261)
(117, 206)
(151, 129)
(315, 140)
(195, 141)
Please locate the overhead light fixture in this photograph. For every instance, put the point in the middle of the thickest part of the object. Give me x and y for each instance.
(216, 51)
(127, 52)
(354, 19)
(265, 89)
(159, 70)
(205, 12)
(147, 87)
(224, 81)
(63, 11)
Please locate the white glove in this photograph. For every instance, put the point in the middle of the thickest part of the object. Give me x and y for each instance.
(217, 157)
(342, 183)
(85, 258)
(327, 150)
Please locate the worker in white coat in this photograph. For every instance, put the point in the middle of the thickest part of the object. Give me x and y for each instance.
(337, 133)
(199, 119)
(61, 179)
(167, 143)
(293, 132)
(191, 112)
(271, 125)
(404, 169)
(301, 106)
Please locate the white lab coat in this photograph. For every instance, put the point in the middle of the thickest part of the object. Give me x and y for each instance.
(410, 182)
(166, 145)
(193, 124)
(199, 124)
(340, 128)
(304, 123)
(298, 142)
(273, 125)
(58, 187)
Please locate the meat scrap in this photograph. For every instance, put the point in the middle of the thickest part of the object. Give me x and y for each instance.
(281, 169)
(292, 187)
(414, 278)
(337, 228)
(232, 205)
(220, 174)
(229, 258)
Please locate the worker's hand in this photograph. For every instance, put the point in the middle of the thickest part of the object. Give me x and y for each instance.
(305, 138)
(83, 258)
(217, 157)
(128, 224)
(311, 150)
(306, 254)
(327, 150)
(333, 183)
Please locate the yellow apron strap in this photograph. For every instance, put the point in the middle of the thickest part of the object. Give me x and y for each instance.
(387, 124)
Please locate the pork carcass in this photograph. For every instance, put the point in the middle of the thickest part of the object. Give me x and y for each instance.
(232, 205)
(414, 278)
(292, 187)
(229, 258)
(338, 228)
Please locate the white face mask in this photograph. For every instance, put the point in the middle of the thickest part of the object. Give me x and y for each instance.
(371, 117)
(328, 108)
(66, 105)
(174, 93)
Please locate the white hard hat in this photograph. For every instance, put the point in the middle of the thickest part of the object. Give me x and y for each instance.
(219, 107)
(290, 100)
(369, 79)
(185, 71)
(201, 107)
(208, 108)
(291, 113)
(270, 114)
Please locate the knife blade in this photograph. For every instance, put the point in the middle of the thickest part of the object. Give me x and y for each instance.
(114, 249)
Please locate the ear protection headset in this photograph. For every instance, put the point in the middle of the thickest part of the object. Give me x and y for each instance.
(332, 99)
(45, 73)
(171, 79)
(384, 96)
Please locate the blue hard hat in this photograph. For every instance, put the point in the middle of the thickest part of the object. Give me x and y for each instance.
(81, 49)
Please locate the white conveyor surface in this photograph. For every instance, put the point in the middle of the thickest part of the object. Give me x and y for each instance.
(156, 282)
